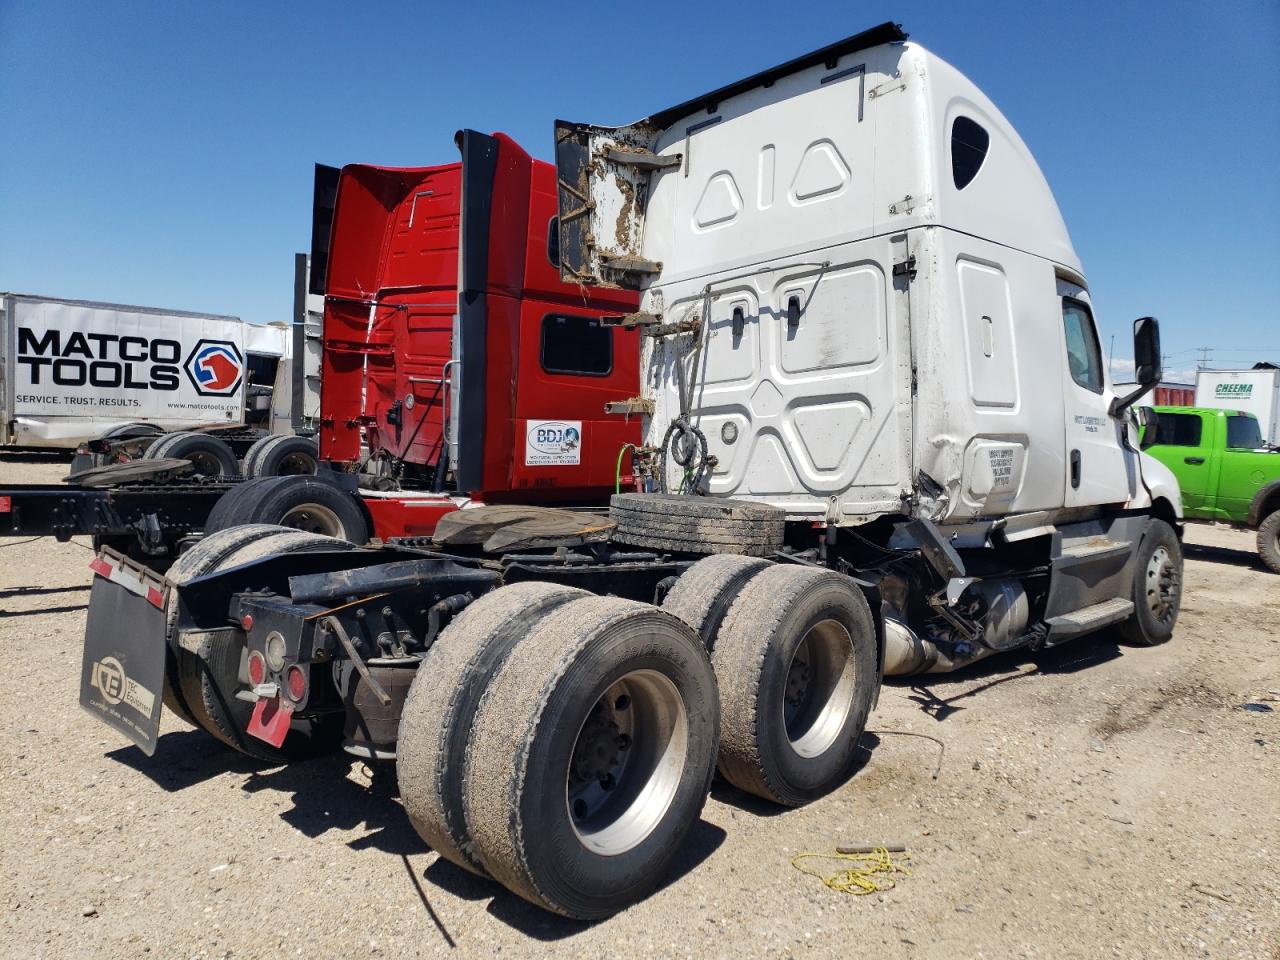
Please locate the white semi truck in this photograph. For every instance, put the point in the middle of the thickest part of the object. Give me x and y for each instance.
(879, 439)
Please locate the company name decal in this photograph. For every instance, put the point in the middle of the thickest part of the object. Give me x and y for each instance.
(215, 367)
(113, 683)
(1233, 391)
(98, 360)
(553, 443)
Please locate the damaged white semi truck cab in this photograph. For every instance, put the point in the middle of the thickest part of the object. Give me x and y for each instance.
(863, 307)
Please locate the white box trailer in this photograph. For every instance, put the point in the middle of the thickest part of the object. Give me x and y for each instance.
(70, 370)
(1254, 391)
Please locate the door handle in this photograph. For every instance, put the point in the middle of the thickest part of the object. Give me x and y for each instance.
(1075, 469)
(1193, 460)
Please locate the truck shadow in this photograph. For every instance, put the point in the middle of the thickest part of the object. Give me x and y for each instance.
(938, 695)
(1237, 558)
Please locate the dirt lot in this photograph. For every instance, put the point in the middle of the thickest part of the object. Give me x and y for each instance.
(1095, 801)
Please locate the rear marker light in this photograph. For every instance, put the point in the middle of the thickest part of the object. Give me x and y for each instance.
(100, 567)
(257, 668)
(155, 598)
(297, 682)
(247, 622)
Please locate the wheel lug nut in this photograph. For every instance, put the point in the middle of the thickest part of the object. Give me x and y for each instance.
(622, 702)
(607, 782)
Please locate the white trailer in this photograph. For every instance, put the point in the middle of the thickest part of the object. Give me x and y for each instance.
(71, 370)
(1255, 391)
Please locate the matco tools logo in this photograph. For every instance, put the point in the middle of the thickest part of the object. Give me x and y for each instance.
(109, 678)
(215, 367)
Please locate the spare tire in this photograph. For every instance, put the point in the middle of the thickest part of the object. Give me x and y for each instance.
(697, 524)
(302, 503)
(282, 456)
(209, 456)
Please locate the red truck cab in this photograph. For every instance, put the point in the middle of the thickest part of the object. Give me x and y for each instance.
(456, 362)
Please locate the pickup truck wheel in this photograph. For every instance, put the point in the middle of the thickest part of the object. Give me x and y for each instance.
(703, 593)
(591, 756)
(796, 662)
(209, 683)
(441, 709)
(209, 456)
(1269, 541)
(1157, 587)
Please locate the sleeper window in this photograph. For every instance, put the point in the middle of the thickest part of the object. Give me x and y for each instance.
(969, 144)
(576, 345)
(1084, 357)
(553, 242)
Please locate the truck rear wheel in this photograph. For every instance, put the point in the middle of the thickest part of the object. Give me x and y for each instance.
(282, 456)
(1269, 541)
(209, 456)
(591, 756)
(702, 595)
(796, 662)
(441, 709)
(209, 683)
(1157, 587)
(301, 503)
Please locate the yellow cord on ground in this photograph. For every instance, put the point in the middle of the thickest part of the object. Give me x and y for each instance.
(869, 873)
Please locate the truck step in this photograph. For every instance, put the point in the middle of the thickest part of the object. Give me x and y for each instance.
(1088, 619)
(1093, 548)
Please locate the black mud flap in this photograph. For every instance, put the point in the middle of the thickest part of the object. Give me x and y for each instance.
(123, 671)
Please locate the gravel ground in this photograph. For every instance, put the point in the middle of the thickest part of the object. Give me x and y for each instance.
(1094, 801)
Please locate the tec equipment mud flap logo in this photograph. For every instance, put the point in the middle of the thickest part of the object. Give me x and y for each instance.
(215, 368)
(116, 687)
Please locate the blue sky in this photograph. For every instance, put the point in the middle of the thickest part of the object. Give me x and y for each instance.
(161, 153)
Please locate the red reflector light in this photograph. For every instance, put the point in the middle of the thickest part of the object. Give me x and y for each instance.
(6, 505)
(257, 668)
(155, 598)
(297, 682)
(247, 622)
(100, 567)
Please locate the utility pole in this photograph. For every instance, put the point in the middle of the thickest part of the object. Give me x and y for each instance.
(1203, 362)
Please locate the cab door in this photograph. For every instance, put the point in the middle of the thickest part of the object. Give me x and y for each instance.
(1101, 469)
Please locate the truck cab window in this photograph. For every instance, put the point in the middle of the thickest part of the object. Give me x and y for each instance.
(969, 143)
(581, 346)
(553, 242)
(1243, 433)
(1084, 356)
(1178, 429)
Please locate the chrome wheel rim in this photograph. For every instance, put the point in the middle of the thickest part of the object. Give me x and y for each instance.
(314, 518)
(818, 696)
(1162, 585)
(627, 762)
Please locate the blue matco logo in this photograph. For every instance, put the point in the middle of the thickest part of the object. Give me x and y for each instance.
(215, 368)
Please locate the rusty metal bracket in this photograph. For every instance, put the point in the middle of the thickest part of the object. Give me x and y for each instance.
(629, 407)
(333, 624)
(644, 159)
(628, 321)
(629, 264)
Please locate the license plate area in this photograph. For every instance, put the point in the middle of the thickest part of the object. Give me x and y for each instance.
(122, 674)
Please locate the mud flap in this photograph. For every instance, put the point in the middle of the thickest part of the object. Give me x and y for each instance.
(122, 674)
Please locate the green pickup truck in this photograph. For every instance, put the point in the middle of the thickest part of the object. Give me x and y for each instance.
(1225, 469)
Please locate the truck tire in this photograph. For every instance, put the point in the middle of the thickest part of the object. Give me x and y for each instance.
(237, 503)
(796, 662)
(209, 683)
(282, 456)
(591, 756)
(702, 595)
(441, 709)
(1157, 587)
(1269, 541)
(697, 524)
(197, 561)
(301, 503)
(210, 456)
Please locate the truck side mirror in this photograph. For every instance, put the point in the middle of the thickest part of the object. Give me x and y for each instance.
(1146, 362)
(1146, 351)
